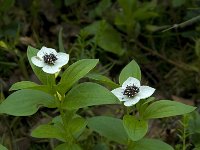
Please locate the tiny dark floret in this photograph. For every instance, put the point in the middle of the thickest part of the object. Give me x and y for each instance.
(50, 59)
(131, 91)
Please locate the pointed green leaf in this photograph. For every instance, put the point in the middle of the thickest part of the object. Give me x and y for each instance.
(48, 131)
(135, 128)
(22, 85)
(26, 102)
(166, 108)
(106, 37)
(75, 72)
(149, 144)
(88, 94)
(109, 39)
(145, 11)
(103, 79)
(67, 146)
(77, 126)
(2, 147)
(92, 28)
(42, 76)
(143, 104)
(128, 6)
(102, 7)
(130, 70)
(30, 85)
(111, 128)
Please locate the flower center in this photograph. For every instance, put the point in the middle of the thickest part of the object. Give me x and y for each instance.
(131, 91)
(50, 59)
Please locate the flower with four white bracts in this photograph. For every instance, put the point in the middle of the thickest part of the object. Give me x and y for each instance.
(50, 61)
(131, 91)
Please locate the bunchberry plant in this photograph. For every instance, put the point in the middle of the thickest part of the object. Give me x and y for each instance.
(68, 96)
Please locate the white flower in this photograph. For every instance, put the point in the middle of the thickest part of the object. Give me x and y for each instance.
(131, 91)
(50, 61)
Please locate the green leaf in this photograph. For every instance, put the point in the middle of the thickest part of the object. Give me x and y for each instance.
(145, 12)
(139, 15)
(135, 128)
(70, 2)
(197, 147)
(128, 6)
(88, 94)
(65, 129)
(48, 131)
(67, 146)
(130, 70)
(103, 79)
(92, 28)
(124, 19)
(44, 88)
(111, 128)
(73, 123)
(177, 3)
(2, 147)
(102, 6)
(30, 85)
(143, 104)
(106, 37)
(149, 144)
(101, 146)
(77, 126)
(26, 102)
(22, 85)
(194, 123)
(75, 72)
(42, 76)
(109, 39)
(166, 108)
(6, 5)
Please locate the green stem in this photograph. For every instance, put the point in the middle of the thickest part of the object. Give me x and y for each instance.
(59, 99)
(184, 24)
(184, 132)
(59, 105)
(23, 67)
(128, 110)
(64, 119)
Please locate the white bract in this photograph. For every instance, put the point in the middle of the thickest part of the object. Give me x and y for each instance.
(131, 92)
(50, 61)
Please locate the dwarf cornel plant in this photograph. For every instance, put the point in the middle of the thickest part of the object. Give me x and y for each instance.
(68, 96)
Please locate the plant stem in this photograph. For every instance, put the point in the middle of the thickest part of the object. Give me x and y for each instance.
(184, 24)
(128, 110)
(184, 132)
(182, 66)
(60, 108)
(69, 136)
(23, 67)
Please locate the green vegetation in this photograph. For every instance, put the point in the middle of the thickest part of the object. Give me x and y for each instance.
(163, 37)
